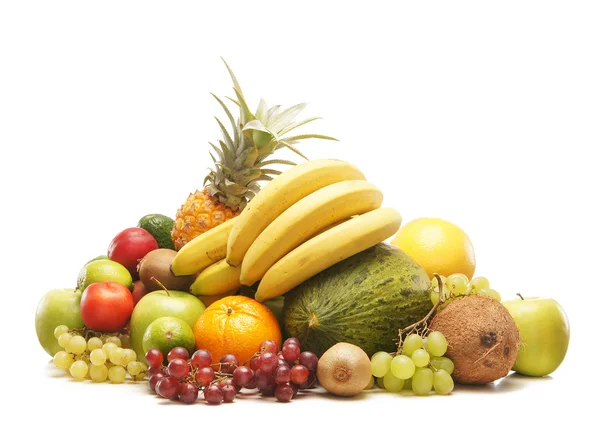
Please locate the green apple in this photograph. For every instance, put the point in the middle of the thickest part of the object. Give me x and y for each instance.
(544, 330)
(57, 307)
(161, 303)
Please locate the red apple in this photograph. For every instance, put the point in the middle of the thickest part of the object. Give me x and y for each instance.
(106, 306)
(130, 246)
(139, 291)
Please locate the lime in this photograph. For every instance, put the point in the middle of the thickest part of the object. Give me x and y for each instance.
(160, 226)
(165, 333)
(99, 257)
(103, 271)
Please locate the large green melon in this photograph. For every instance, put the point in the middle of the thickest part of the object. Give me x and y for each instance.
(363, 300)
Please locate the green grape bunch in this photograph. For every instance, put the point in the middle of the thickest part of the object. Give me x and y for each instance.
(419, 366)
(99, 357)
(444, 289)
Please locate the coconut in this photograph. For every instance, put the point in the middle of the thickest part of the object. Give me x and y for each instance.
(155, 272)
(483, 339)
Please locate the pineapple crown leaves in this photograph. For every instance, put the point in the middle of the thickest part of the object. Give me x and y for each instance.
(273, 122)
(241, 158)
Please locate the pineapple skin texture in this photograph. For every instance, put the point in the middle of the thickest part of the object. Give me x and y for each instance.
(200, 213)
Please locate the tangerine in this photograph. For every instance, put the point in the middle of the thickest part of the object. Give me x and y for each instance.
(237, 325)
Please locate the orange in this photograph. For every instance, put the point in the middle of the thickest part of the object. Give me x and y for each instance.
(237, 325)
(438, 246)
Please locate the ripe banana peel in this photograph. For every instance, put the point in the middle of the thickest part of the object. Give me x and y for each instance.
(216, 279)
(204, 250)
(305, 219)
(327, 249)
(280, 194)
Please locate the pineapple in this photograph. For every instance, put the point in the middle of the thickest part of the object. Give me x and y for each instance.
(241, 161)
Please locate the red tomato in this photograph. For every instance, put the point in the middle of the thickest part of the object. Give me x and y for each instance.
(106, 306)
(130, 246)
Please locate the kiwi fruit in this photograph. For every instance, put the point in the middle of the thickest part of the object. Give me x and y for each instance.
(344, 369)
(483, 339)
(155, 272)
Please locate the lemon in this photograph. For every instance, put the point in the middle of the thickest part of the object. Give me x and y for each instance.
(103, 270)
(165, 333)
(438, 246)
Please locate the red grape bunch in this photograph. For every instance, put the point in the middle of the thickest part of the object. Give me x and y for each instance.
(283, 373)
(271, 371)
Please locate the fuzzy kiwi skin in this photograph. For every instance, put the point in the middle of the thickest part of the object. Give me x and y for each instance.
(157, 265)
(344, 370)
(483, 339)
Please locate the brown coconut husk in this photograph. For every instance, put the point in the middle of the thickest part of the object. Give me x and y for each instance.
(483, 339)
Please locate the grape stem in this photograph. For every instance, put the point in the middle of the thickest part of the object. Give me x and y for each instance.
(88, 333)
(256, 355)
(418, 326)
(219, 376)
(220, 371)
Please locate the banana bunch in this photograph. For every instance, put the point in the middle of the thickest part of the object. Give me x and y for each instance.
(307, 219)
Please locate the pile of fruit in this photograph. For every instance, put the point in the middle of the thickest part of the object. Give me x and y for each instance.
(200, 305)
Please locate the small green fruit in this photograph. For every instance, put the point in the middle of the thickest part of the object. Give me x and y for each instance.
(161, 303)
(166, 333)
(160, 226)
(99, 257)
(103, 271)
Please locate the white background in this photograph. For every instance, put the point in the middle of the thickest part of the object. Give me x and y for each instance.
(482, 113)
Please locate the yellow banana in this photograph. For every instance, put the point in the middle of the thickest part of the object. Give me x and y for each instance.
(280, 194)
(204, 250)
(327, 249)
(216, 279)
(305, 219)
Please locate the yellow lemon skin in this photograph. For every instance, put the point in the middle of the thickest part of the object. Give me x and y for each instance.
(438, 246)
